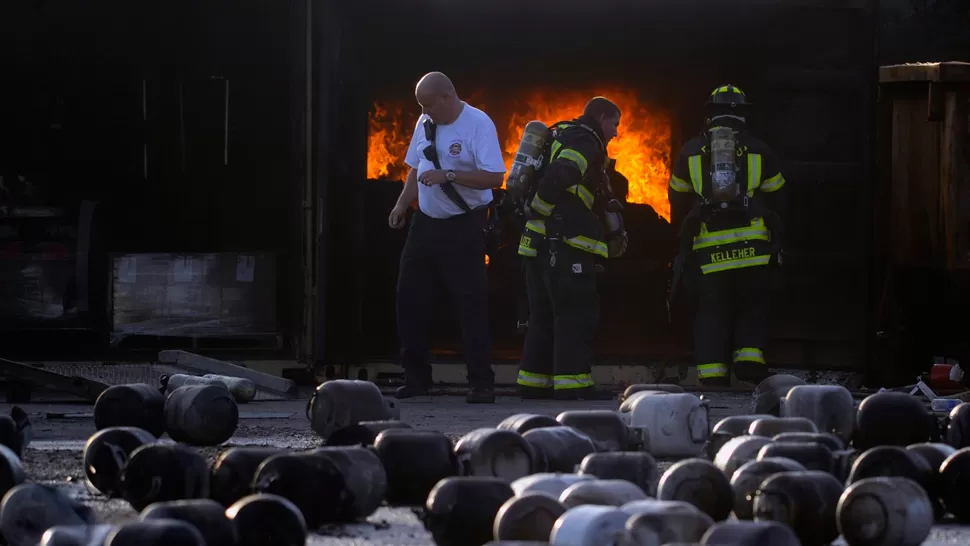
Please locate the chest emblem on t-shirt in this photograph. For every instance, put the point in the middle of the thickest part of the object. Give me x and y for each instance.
(455, 149)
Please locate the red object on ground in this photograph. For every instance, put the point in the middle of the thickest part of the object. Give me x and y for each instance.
(940, 378)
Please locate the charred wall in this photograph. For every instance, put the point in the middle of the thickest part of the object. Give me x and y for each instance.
(810, 68)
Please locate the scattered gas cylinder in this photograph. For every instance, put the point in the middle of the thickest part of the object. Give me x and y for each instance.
(201, 415)
(773, 427)
(885, 511)
(517, 543)
(603, 426)
(656, 387)
(363, 433)
(491, 452)
(160, 472)
(738, 451)
(29, 509)
(552, 484)
(589, 525)
(728, 428)
(892, 461)
(342, 402)
(666, 523)
(157, 532)
(638, 468)
(414, 461)
(810, 455)
(11, 470)
(529, 517)
(958, 427)
(16, 430)
(242, 390)
(893, 419)
(206, 515)
(750, 533)
(267, 520)
(749, 477)
(934, 454)
(626, 405)
(524, 422)
(769, 395)
(77, 535)
(672, 425)
(827, 439)
(461, 511)
(559, 449)
(700, 483)
(601, 492)
(805, 500)
(134, 405)
(830, 407)
(955, 475)
(106, 454)
(233, 471)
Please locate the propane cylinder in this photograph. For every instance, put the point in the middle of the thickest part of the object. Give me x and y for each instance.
(201, 415)
(414, 461)
(958, 426)
(552, 484)
(363, 433)
(934, 454)
(603, 426)
(206, 515)
(529, 517)
(884, 511)
(107, 452)
(738, 451)
(77, 535)
(892, 461)
(158, 532)
(698, 482)
(750, 533)
(29, 509)
(11, 470)
(559, 449)
(233, 471)
(589, 525)
(601, 492)
(461, 510)
(774, 427)
(16, 430)
(524, 422)
(341, 402)
(724, 186)
(656, 387)
(529, 159)
(491, 452)
(162, 472)
(827, 439)
(804, 500)
(811, 455)
(727, 428)
(749, 477)
(242, 390)
(267, 520)
(672, 425)
(893, 419)
(134, 405)
(769, 395)
(830, 407)
(955, 475)
(666, 523)
(638, 468)
(626, 405)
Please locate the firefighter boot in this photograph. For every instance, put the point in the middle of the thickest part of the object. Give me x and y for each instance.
(591, 392)
(481, 395)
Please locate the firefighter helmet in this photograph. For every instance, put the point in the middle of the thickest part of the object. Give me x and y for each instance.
(727, 96)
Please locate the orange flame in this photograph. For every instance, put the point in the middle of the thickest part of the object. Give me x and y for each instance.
(641, 147)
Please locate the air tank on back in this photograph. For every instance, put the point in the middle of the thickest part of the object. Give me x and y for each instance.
(528, 159)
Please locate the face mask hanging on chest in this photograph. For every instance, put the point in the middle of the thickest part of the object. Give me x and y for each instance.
(724, 169)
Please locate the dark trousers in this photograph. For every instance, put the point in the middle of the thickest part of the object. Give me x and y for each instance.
(730, 323)
(563, 315)
(445, 254)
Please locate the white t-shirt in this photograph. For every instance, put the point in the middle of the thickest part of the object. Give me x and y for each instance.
(470, 143)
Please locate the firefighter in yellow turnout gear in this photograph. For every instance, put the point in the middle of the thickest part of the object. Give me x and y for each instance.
(560, 244)
(726, 196)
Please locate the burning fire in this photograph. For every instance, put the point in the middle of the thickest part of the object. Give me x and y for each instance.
(641, 149)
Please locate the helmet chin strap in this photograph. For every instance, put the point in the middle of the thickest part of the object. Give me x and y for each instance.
(729, 116)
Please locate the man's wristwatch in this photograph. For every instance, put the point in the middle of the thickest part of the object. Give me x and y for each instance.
(450, 176)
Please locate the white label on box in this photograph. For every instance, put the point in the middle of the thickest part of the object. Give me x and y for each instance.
(183, 268)
(127, 270)
(245, 268)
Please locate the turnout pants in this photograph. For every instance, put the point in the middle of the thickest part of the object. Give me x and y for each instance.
(446, 254)
(730, 322)
(563, 314)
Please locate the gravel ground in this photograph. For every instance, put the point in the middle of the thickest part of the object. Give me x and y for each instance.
(60, 431)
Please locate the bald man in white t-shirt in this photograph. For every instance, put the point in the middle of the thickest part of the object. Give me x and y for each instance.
(446, 241)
